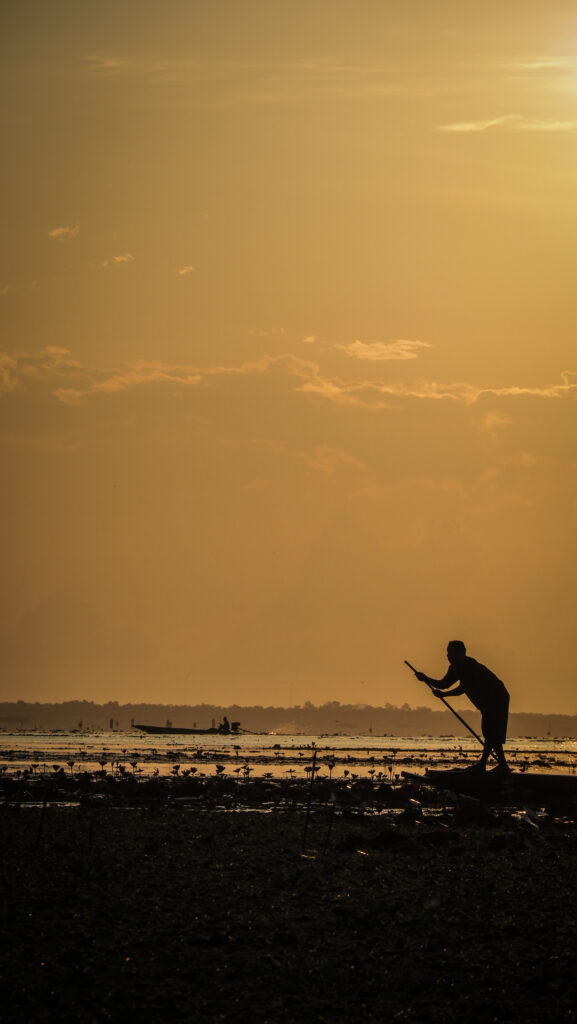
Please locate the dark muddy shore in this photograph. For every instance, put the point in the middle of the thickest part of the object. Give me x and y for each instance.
(168, 913)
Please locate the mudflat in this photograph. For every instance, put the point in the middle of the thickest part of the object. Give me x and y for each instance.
(173, 914)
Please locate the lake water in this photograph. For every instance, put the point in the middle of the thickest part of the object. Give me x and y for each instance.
(276, 755)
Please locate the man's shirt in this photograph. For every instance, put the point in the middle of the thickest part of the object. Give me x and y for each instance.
(482, 686)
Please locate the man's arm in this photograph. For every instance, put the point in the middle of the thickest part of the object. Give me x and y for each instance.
(440, 687)
(448, 693)
(440, 684)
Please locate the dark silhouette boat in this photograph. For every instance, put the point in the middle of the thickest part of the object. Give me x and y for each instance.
(532, 788)
(224, 729)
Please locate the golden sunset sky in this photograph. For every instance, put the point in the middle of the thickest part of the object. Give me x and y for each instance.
(288, 367)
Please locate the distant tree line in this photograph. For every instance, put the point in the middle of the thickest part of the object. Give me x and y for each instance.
(331, 718)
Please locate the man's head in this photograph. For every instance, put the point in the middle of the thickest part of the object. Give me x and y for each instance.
(456, 651)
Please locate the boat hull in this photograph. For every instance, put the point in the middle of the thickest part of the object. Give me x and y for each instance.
(536, 788)
(165, 730)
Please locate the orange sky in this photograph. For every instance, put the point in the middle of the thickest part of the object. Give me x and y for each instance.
(288, 375)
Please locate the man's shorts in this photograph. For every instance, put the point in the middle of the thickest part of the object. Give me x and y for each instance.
(494, 721)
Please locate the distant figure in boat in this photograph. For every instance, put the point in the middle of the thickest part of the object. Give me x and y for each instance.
(485, 691)
(224, 725)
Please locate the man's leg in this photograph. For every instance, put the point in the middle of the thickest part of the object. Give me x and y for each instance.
(501, 759)
(487, 748)
(481, 764)
(494, 729)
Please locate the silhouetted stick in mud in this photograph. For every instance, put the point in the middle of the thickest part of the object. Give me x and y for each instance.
(310, 796)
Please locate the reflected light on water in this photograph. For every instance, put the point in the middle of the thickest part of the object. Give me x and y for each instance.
(276, 756)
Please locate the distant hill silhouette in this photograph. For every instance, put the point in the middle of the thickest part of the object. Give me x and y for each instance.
(309, 719)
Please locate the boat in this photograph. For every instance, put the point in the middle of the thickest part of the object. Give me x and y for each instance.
(533, 788)
(224, 729)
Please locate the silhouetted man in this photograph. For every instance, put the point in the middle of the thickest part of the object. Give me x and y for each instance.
(485, 691)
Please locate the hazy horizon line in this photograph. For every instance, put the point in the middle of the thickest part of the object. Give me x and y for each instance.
(307, 706)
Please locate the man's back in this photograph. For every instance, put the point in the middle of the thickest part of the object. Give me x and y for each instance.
(483, 687)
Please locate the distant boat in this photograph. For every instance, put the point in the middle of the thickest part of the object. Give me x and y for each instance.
(224, 729)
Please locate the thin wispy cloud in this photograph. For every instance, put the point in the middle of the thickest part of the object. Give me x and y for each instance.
(540, 64)
(326, 79)
(126, 257)
(370, 394)
(327, 460)
(162, 70)
(360, 396)
(8, 373)
(383, 352)
(69, 396)
(72, 231)
(256, 83)
(144, 374)
(321, 458)
(185, 271)
(492, 423)
(107, 62)
(73, 382)
(509, 122)
(536, 125)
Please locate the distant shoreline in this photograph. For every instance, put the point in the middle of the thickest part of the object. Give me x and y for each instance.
(330, 719)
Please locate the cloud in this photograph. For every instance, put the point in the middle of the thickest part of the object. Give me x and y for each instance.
(6, 289)
(540, 64)
(64, 233)
(8, 373)
(309, 339)
(226, 83)
(103, 62)
(473, 126)
(327, 460)
(270, 332)
(160, 70)
(323, 458)
(184, 271)
(511, 122)
(74, 383)
(305, 80)
(51, 360)
(375, 395)
(493, 422)
(532, 125)
(69, 396)
(359, 395)
(126, 257)
(141, 374)
(382, 352)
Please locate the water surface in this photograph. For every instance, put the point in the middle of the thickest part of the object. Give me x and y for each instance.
(259, 754)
